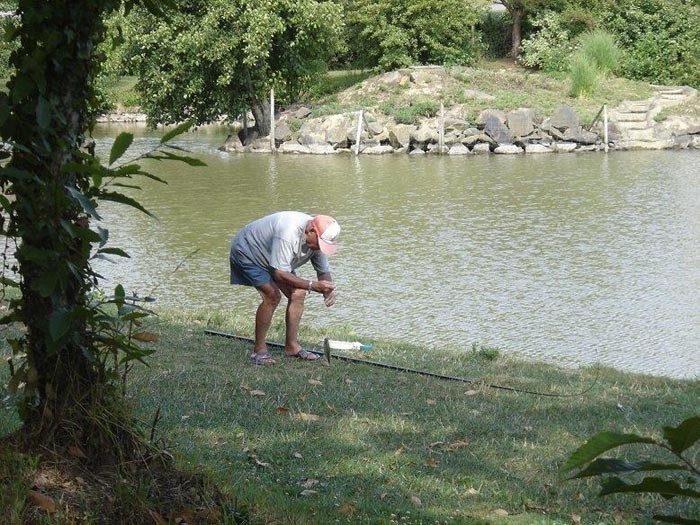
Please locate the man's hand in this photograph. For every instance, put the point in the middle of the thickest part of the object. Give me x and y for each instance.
(329, 298)
(324, 287)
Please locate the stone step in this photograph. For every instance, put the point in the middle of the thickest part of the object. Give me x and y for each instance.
(635, 106)
(624, 125)
(625, 116)
(641, 134)
(644, 144)
(673, 91)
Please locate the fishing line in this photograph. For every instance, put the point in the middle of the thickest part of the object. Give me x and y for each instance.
(416, 371)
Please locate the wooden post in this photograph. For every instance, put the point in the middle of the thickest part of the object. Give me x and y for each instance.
(272, 121)
(358, 136)
(605, 126)
(441, 130)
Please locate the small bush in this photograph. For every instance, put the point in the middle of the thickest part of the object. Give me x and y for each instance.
(411, 114)
(584, 76)
(550, 47)
(601, 49)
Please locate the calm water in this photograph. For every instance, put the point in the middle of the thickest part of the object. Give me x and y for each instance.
(573, 259)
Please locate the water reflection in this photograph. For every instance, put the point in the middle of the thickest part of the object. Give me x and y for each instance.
(569, 258)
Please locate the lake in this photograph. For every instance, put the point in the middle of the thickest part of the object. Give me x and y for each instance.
(572, 259)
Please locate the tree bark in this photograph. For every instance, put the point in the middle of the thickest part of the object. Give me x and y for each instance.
(517, 36)
(261, 112)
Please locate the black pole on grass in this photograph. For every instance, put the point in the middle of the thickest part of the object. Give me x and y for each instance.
(424, 373)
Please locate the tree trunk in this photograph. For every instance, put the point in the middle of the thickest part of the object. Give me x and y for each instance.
(48, 97)
(261, 112)
(517, 36)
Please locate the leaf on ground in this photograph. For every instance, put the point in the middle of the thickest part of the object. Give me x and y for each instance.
(457, 445)
(348, 381)
(42, 501)
(575, 519)
(308, 483)
(246, 387)
(315, 382)
(432, 462)
(400, 450)
(308, 492)
(157, 518)
(297, 455)
(436, 444)
(431, 401)
(501, 512)
(471, 491)
(146, 337)
(416, 500)
(181, 516)
(347, 508)
(76, 452)
(254, 459)
(282, 410)
(471, 392)
(256, 393)
(303, 416)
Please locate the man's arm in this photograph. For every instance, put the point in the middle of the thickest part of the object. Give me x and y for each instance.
(323, 285)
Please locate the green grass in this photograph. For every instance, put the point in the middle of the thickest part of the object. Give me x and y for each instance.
(377, 446)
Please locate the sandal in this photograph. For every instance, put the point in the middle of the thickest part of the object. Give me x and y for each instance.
(262, 359)
(305, 355)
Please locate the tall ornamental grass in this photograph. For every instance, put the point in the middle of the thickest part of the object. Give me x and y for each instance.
(601, 49)
(584, 76)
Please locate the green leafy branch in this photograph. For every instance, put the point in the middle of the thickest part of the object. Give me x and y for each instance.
(677, 443)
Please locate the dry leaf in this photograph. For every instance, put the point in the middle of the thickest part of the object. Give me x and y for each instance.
(42, 501)
(256, 393)
(348, 381)
(308, 483)
(157, 518)
(315, 382)
(471, 491)
(76, 452)
(259, 463)
(297, 455)
(432, 462)
(182, 516)
(347, 508)
(308, 492)
(416, 500)
(500, 512)
(471, 392)
(145, 337)
(400, 450)
(431, 401)
(575, 519)
(303, 416)
(436, 444)
(457, 445)
(282, 410)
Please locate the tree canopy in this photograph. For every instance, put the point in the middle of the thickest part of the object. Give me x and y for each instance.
(212, 58)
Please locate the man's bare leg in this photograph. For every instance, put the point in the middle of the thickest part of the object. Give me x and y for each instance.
(271, 296)
(292, 317)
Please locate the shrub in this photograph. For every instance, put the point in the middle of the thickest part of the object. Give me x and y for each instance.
(601, 49)
(584, 76)
(411, 114)
(550, 47)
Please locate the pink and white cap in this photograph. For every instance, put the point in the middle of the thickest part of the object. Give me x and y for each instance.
(327, 229)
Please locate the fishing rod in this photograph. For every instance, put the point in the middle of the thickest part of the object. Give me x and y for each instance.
(397, 368)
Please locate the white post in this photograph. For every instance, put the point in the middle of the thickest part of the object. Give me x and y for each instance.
(272, 120)
(605, 126)
(358, 136)
(441, 131)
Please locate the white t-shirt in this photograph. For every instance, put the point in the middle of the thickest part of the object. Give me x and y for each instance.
(278, 241)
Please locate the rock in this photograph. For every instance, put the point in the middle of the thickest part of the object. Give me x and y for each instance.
(519, 122)
(424, 135)
(564, 147)
(400, 135)
(302, 112)
(580, 136)
(283, 132)
(417, 151)
(481, 148)
(495, 129)
(378, 150)
(459, 149)
(508, 149)
(489, 114)
(565, 117)
(538, 148)
(477, 95)
(232, 144)
(322, 149)
(293, 147)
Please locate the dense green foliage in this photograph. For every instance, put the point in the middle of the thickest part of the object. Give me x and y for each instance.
(395, 34)
(219, 57)
(656, 42)
(675, 475)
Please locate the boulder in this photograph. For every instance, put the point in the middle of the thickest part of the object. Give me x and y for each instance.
(481, 148)
(322, 149)
(459, 149)
(508, 149)
(378, 150)
(498, 131)
(565, 117)
(232, 144)
(400, 135)
(520, 122)
(489, 114)
(293, 147)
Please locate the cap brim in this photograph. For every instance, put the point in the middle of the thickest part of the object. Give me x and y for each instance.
(326, 247)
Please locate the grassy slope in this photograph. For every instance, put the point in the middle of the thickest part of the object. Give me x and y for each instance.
(391, 447)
